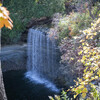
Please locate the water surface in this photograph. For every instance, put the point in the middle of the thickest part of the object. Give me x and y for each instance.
(20, 88)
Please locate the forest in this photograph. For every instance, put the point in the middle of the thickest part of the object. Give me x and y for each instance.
(50, 50)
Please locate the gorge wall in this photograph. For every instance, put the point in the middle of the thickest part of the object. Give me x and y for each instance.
(13, 57)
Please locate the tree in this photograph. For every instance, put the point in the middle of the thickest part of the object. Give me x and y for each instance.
(4, 20)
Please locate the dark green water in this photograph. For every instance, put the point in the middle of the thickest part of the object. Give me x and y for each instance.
(19, 88)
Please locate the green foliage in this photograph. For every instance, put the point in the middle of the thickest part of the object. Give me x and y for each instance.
(22, 11)
(71, 25)
(48, 7)
(96, 10)
(62, 97)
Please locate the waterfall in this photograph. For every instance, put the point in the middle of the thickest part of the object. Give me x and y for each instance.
(41, 60)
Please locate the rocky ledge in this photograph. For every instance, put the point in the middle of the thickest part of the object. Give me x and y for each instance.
(13, 57)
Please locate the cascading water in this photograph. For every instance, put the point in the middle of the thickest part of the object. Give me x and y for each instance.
(41, 58)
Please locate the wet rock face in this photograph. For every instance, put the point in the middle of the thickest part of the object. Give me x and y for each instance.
(13, 57)
(66, 76)
(35, 22)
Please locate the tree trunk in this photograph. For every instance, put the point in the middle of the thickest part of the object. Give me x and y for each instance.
(2, 89)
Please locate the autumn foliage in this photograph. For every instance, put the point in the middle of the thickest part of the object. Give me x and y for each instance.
(84, 50)
(90, 58)
(4, 18)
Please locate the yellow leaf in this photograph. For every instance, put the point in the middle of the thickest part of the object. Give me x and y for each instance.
(1, 23)
(0, 4)
(72, 58)
(5, 19)
(83, 58)
(98, 73)
(96, 77)
(80, 52)
(84, 47)
(87, 37)
(83, 95)
(83, 44)
(95, 33)
(91, 37)
(84, 90)
(82, 40)
(82, 61)
(50, 97)
(86, 51)
(75, 96)
(92, 24)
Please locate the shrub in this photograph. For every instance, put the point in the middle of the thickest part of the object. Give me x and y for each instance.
(71, 25)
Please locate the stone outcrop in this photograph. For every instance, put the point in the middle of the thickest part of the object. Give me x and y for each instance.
(41, 21)
(13, 57)
(34, 23)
